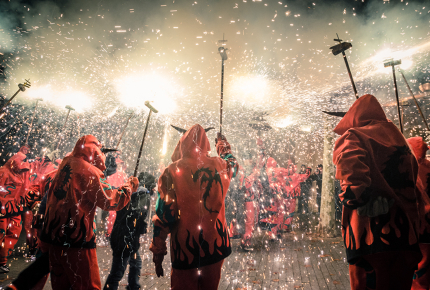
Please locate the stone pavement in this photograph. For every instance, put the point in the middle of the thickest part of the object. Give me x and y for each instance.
(297, 261)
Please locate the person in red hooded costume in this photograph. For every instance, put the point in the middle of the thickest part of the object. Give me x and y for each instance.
(38, 172)
(380, 222)
(422, 275)
(191, 207)
(77, 189)
(14, 184)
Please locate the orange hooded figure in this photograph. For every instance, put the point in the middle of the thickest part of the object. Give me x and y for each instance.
(380, 222)
(191, 207)
(422, 275)
(14, 184)
(77, 189)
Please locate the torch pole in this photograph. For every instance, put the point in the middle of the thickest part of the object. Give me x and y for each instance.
(64, 125)
(222, 96)
(123, 130)
(21, 87)
(415, 100)
(350, 74)
(31, 124)
(397, 99)
(141, 146)
(10, 100)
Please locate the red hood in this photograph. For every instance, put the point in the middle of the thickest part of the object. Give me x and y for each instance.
(88, 148)
(193, 143)
(419, 147)
(364, 111)
(18, 163)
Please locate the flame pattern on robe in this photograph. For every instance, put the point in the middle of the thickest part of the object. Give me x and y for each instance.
(373, 159)
(78, 188)
(190, 204)
(14, 184)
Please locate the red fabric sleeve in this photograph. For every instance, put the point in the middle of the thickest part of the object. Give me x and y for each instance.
(351, 161)
(101, 194)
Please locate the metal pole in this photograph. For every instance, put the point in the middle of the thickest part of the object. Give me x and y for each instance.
(123, 130)
(65, 122)
(397, 99)
(350, 75)
(222, 96)
(415, 100)
(31, 124)
(141, 146)
(10, 100)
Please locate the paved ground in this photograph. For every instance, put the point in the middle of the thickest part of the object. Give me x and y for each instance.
(297, 261)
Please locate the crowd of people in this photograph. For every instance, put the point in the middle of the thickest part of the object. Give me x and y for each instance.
(384, 195)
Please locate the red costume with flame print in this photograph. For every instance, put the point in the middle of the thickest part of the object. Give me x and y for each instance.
(14, 184)
(191, 207)
(422, 275)
(78, 188)
(380, 219)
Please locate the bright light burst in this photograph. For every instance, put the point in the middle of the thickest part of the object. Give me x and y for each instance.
(250, 90)
(77, 99)
(285, 122)
(134, 90)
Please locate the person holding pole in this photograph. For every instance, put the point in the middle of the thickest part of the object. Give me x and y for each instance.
(191, 207)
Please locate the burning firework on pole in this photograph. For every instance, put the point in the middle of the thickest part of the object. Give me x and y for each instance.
(415, 100)
(340, 48)
(32, 120)
(393, 63)
(123, 130)
(223, 52)
(151, 109)
(21, 87)
(65, 122)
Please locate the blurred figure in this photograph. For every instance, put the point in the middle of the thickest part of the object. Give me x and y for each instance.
(115, 177)
(79, 187)
(191, 208)
(422, 274)
(14, 184)
(317, 176)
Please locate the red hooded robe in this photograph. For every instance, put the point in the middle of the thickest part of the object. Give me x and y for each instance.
(373, 159)
(190, 204)
(14, 184)
(77, 189)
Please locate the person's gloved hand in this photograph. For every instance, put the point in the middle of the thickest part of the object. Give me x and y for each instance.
(219, 137)
(158, 261)
(134, 183)
(376, 206)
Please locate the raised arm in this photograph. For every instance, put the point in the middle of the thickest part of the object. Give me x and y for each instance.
(224, 151)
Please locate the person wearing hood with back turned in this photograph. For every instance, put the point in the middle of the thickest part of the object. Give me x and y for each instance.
(380, 222)
(422, 274)
(191, 206)
(77, 189)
